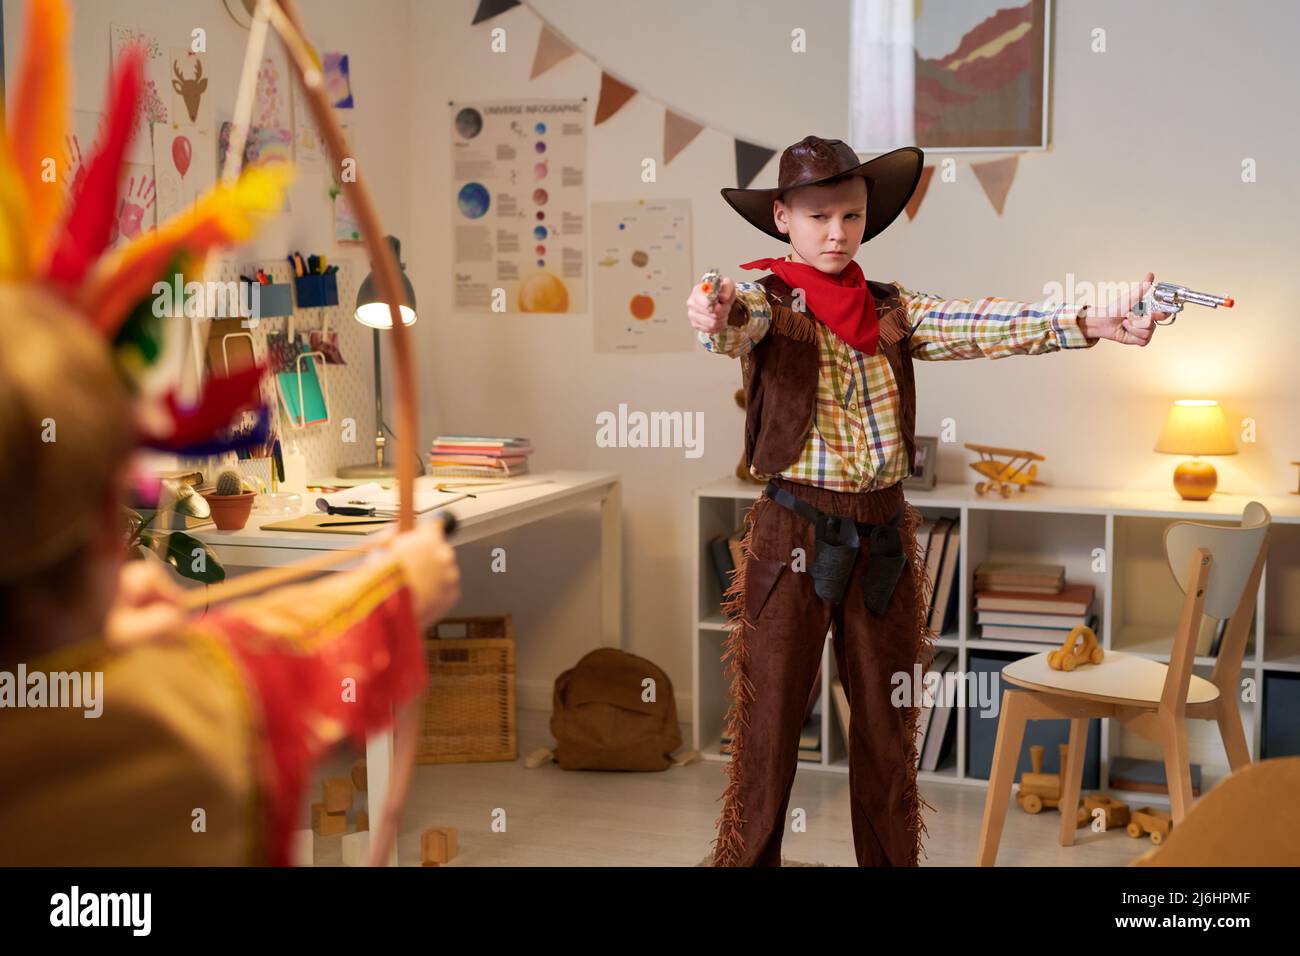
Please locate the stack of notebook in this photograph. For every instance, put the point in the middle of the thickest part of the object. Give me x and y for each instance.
(478, 456)
(1030, 602)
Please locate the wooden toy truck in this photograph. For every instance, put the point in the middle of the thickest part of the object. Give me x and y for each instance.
(1150, 820)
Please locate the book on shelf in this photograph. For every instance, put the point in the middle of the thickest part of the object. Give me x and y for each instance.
(1037, 635)
(1073, 599)
(840, 700)
(943, 599)
(944, 658)
(723, 565)
(936, 726)
(733, 545)
(940, 544)
(810, 738)
(1146, 776)
(1034, 577)
(1028, 619)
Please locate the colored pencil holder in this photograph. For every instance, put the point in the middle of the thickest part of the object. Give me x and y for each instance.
(316, 291)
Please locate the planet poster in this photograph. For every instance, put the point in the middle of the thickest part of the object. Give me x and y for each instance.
(641, 270)
(518, 206)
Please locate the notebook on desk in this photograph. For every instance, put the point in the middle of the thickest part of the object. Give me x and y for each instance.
(327, 524)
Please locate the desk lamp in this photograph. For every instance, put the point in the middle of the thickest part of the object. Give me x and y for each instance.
(373, 311)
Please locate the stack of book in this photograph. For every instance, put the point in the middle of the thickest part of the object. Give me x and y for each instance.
(1030, 602)
(478, 456)
(940, 541)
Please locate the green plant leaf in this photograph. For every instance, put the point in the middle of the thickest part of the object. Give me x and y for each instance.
(180, 555)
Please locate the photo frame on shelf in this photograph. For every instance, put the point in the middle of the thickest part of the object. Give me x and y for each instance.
(925, 464)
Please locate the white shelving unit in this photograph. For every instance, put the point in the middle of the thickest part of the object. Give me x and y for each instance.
(1137, 600)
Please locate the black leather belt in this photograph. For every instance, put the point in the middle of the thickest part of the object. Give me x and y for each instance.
(838, 538)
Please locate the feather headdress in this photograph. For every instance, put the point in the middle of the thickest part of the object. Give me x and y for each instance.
(59, 237)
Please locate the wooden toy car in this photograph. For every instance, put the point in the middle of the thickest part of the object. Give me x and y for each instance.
(1038, 789)
(1150, 820)
(1016, 472)
(1081, 647)
(1116, 811)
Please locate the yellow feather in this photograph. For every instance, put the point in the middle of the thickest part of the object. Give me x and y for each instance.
(15, 252)
(39, 115)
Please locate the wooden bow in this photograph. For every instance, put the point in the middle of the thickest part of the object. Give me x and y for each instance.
(283, 16)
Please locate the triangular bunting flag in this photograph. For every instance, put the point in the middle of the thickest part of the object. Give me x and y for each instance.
(551, 49)
(613, 95)
(914, 203)
(678, 133)
(749, 160)
(487, 9)
(996, 178)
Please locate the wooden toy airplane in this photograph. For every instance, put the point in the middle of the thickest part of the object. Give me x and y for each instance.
(1016, 471)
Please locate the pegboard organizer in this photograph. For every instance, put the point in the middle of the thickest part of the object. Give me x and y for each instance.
(350, 387)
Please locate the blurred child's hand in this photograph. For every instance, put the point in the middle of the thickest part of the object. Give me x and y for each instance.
(147, 605)
(707, 319)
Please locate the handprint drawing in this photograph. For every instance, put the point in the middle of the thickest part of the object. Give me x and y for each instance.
(137, 199)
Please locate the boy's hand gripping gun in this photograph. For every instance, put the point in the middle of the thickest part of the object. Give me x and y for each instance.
(1169, 298)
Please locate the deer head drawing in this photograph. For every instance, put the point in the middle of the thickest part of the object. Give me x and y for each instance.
(191, 90)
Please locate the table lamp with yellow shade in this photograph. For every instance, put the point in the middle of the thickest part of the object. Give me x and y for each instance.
(1196, 427)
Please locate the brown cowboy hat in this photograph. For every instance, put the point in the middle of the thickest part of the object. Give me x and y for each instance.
(891, 180)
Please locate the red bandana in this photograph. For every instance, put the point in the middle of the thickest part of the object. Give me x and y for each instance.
(843, 302)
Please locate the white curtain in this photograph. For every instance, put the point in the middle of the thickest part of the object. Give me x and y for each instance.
(881, 75)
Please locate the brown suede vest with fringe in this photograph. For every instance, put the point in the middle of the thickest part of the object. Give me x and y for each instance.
(780, 375)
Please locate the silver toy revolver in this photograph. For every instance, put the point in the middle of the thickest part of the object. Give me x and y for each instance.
(1170, 298)
(712, 285)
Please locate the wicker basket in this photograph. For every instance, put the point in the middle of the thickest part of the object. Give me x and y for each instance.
(469, 713)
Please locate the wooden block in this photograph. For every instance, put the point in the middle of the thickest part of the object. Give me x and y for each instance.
(363, 821)
(437, 845)
(359, 775)
(338, 794)
(333, 824)
(303, 852)
(356, 849)
(316, 810)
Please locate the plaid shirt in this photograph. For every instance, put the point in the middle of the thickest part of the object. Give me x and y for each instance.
(855, 443)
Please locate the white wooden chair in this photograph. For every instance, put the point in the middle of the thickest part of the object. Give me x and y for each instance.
(1218, 568)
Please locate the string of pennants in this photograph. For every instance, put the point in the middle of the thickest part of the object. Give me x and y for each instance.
(994, 176)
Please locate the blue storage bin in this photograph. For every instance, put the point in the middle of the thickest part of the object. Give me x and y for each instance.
(982, 731)
(1281, 730)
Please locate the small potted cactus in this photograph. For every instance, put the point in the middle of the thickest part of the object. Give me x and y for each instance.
(231, 501)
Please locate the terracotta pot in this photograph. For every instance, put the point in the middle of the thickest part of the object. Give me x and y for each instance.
(230, 512)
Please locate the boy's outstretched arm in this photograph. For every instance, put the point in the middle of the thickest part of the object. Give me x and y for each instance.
(735, 323)
(948, 329)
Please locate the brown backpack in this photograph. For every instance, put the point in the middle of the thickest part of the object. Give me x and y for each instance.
(601, 721)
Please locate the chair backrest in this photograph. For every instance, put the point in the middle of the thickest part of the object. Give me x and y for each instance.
(1248, 819)
(1218, 568)
(1235, 550)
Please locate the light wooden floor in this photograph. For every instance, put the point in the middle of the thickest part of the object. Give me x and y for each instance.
(555, 817)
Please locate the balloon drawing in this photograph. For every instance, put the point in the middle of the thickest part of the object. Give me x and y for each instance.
(182, 153)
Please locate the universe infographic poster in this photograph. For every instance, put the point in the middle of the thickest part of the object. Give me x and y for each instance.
(518, 205)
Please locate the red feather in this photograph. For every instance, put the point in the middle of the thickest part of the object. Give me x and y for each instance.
(86, 233)
(224, 397)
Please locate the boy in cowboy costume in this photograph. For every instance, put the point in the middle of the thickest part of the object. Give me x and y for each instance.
(830, 415)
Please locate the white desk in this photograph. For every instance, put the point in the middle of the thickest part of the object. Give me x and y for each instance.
(493, 513)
